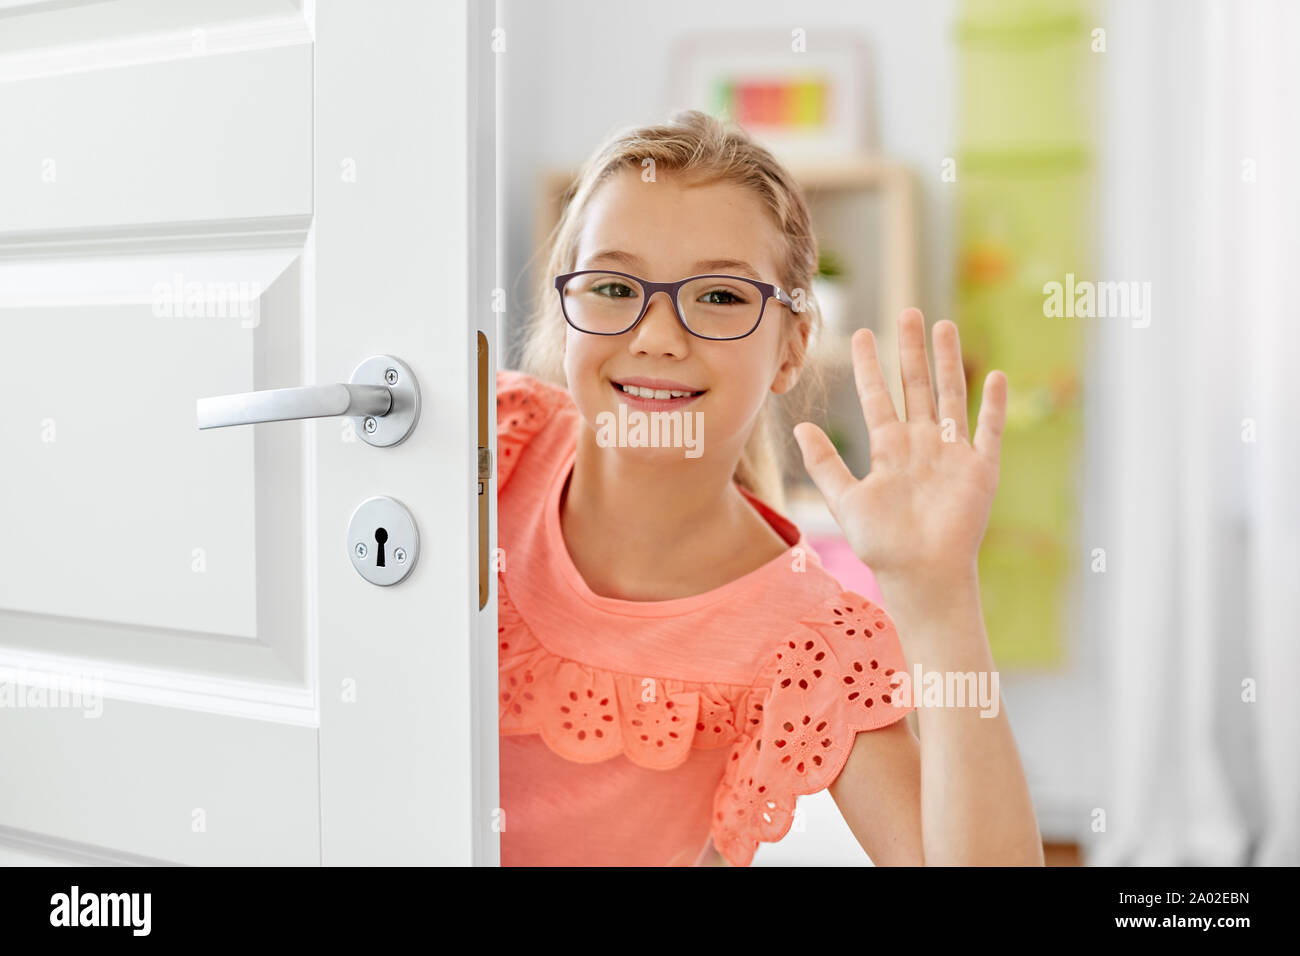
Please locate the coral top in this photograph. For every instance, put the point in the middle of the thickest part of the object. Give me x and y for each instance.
(633, 733)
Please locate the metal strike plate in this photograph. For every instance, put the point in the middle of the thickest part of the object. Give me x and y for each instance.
(383, 541)
(484, 467)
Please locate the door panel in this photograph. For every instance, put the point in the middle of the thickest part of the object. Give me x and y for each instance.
(136, 780)
(199, 139)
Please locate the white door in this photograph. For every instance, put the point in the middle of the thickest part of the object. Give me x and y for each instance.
(207, 197)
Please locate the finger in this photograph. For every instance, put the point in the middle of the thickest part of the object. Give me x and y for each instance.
(950, 380)
(824, 465)
(917, 401)
(873, 393)
(993, 416)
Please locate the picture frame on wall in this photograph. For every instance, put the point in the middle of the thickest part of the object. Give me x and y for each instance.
(805, 94)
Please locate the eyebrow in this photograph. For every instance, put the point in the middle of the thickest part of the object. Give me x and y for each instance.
(737, 266)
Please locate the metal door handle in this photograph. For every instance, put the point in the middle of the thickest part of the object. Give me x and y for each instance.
(284, 404)
(382, 395)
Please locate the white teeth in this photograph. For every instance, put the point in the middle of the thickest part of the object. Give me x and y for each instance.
(659, 393)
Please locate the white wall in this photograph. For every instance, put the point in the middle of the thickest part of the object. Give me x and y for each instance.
(576, 69)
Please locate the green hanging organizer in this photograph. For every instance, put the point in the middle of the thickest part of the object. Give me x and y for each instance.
(1024, 181)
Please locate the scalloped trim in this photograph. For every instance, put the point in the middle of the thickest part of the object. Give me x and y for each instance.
(827, 685)
(524, 405)
(589, 714)
(821, 686)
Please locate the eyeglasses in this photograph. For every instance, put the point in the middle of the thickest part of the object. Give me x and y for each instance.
(716, 307)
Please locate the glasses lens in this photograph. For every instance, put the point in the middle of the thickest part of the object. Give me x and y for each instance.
(720, 307)
(602, 302)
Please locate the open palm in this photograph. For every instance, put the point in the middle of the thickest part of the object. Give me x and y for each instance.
(921, 511)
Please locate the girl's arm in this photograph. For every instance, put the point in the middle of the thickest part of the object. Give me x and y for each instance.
(879, 795)
(960, 795)
(976, 809)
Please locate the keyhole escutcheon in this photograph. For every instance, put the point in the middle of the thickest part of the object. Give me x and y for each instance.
(382, 540)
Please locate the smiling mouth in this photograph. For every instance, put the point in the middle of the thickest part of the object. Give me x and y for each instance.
(660, 394)
(654, 399)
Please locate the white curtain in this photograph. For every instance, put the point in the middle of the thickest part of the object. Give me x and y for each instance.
(1200, 602)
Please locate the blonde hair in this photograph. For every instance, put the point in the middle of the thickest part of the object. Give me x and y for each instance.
(709, 150)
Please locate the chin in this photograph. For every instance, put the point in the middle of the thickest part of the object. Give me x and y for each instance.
(651, 455)
(650, 438)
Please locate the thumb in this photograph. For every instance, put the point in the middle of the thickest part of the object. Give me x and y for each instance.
(824, 465)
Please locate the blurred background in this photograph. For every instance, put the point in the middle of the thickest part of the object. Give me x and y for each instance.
(1098, 194)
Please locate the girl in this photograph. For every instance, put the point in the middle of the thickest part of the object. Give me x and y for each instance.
(676, 667)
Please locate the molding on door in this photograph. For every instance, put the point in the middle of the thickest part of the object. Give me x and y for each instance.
(156, 47)
(272, 232)
(138, 278)
(23, 848)
(283, 703)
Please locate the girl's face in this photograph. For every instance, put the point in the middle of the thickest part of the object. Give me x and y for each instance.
(663, 231)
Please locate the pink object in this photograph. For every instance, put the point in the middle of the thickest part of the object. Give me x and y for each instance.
(842, 564)
(633, 733)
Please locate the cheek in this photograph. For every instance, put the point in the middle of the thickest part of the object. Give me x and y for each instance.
(746, 372)
(756, 361)
(578, 358)
(584, 356)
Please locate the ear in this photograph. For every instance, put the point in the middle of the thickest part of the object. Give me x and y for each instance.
(792, 359)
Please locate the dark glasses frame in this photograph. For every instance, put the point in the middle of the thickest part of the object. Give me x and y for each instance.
(766, 289)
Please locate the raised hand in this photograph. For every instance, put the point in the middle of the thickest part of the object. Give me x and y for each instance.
(919, 515)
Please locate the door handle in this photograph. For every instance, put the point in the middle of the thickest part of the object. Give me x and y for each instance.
(382, 395)
(285, 404)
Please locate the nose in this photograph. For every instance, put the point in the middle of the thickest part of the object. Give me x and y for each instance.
(659, 332)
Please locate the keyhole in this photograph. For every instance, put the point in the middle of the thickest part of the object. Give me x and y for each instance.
(380, 537)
